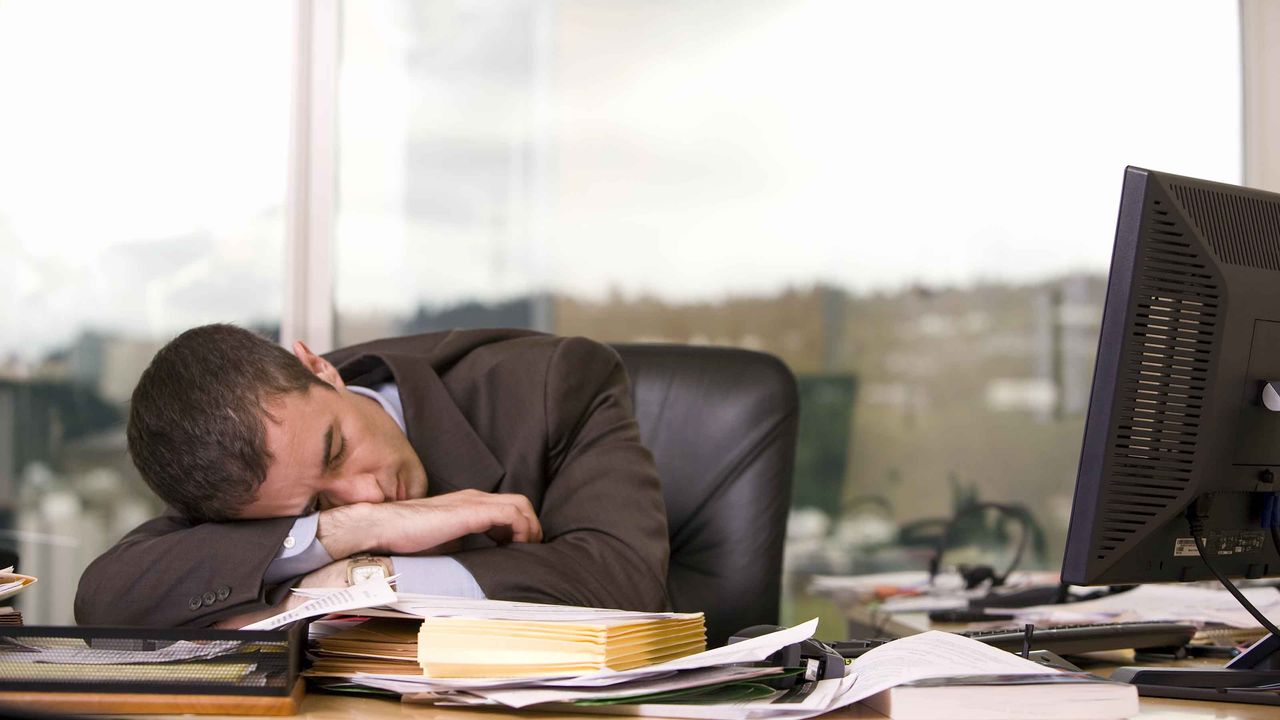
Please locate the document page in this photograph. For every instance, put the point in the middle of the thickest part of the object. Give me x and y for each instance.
(425, 606)
(935, 654)
(364, 595)
(1172, 603)
(74, 651)
(524, 697)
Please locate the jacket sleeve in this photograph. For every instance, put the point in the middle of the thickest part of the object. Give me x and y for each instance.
(170, 573)
(603, 517)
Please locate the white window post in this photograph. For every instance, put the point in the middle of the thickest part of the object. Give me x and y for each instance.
(1260, 72)
(312, 184)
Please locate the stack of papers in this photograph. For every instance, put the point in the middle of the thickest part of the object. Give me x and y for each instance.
(1161, 602)
(913, 590)
(930, 675)
(463, 647)
(12, 583)
(36, 658)
(900, 679)
(937, 674)
(386, 646)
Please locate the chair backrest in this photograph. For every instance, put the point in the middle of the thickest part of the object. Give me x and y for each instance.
(721, 424)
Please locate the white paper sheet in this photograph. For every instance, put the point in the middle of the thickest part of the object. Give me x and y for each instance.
(1173, 603)
(822, 697)
(369, 594)
(73, 651)
(523, 697)
(437, 606)
(929, 654)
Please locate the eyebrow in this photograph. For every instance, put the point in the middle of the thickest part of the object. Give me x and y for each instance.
(328, 450)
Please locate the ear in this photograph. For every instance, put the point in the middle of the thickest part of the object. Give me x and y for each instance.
(318, 365)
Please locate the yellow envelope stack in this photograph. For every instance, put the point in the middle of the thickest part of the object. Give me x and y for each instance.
(459, 647)
(387, 646)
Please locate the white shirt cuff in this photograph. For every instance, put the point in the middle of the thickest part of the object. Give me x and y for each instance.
(435, 575)
(300, 553)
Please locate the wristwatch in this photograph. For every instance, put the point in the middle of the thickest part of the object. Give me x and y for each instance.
(363, 568)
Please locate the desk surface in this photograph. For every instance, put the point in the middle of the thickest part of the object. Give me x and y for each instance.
(867, 622)
(320, 706)
(336, 707)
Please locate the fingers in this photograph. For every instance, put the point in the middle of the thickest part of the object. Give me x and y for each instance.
(511, 516)
(511, 519)
(415, 526)
(526, 527)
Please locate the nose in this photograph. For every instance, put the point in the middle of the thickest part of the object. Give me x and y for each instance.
(358, 488)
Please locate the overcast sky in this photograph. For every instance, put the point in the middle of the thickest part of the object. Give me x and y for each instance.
(684, 149)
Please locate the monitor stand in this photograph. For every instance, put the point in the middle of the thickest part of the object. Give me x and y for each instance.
(1251, 677)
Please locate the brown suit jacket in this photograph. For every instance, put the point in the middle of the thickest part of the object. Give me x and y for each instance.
(494, 410)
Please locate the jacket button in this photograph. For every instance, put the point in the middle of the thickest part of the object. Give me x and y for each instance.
(224, 592)
(209, 598)
(194, 603)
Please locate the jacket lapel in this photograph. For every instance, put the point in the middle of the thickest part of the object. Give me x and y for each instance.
(453, 454)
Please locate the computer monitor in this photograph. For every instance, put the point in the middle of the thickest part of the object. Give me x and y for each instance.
(1178, 428)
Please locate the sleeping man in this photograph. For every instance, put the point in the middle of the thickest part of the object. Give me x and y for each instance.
(483, 463)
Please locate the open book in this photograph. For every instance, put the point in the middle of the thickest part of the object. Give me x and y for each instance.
(937, 674)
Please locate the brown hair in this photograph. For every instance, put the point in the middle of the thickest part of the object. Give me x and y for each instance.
(196, 429)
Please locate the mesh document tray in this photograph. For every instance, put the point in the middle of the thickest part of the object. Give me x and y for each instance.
(149, 660)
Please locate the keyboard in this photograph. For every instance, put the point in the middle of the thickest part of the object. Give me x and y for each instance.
(1064, 639)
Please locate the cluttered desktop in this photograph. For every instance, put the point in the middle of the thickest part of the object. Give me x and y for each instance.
(1171, 560)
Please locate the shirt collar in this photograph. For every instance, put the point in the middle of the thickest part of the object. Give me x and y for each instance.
(388, 396)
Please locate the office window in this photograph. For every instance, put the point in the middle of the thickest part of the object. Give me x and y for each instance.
(142, 171)
(913, 205)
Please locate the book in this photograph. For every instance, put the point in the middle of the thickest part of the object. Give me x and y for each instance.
(1057, 696)
(462, 647)
(937, 674)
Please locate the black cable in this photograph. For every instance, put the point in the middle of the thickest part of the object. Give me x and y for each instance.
(1196, 530)
(1024, 538)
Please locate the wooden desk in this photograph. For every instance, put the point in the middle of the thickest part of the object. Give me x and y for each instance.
(336, 707)
(320, 706)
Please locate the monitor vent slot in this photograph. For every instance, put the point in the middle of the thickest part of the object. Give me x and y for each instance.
(1163, 377)
(1241, 230)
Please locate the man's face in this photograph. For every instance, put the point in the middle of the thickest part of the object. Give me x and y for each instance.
(332, 447)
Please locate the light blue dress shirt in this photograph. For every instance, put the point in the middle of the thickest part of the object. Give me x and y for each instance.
(435, 575)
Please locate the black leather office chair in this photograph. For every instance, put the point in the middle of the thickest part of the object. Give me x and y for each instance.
(721, 424)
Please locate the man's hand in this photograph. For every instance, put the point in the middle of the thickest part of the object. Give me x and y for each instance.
(417, 526)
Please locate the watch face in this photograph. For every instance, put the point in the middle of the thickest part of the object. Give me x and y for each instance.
(365, 573)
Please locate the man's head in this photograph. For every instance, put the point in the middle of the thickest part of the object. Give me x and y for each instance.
(225, 425)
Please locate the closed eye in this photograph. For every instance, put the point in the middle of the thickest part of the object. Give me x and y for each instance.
(339, 456)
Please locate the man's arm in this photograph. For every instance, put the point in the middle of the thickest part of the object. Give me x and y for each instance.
(603, 517)
(170, 573)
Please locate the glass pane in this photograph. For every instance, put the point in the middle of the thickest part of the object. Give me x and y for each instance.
(141, 193)
(912, 204)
